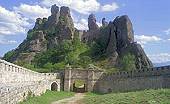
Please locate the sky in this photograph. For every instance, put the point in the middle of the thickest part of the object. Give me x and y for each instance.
(150, 19)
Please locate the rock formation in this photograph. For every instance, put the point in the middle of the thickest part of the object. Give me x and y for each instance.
(93, 31)
(92, 23)
(45, 35)
(54, 18)
(124, 31)
(65, 25)
(117, 37)
(104, 22)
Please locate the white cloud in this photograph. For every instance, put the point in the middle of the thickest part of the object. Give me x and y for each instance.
(11, 23)
(169, 39)
(144, 39)
(167, 31)
(114, 6)
(4, 41)
(7, 42)
(160, 58)
(99, 24)
(32, 11)
(82, 24)
(82, 6)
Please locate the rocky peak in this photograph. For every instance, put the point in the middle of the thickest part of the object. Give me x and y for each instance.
(65, 17)
(104, 22)
(65, 11)
(54, 10)
(124, 31)
(65, 25)
(54, 18)
(38, 23)
(116, 38)
(92, 22)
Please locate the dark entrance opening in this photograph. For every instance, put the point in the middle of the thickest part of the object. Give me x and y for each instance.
(54, 86)
(79, 89)
(79, 86)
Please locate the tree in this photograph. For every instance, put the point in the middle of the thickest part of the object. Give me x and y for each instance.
(84, 61)
(9, 55)
(128, 62)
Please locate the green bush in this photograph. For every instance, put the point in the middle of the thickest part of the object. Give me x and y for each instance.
(31, 34)
(8, 56)
(84, 61)
(128, 62)
(48, 65)
(59, 66)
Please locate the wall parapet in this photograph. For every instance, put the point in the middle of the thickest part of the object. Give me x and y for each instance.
(11, 73)
(156, 71)
(17, 81)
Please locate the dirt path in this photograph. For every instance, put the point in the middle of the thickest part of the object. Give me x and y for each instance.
(72, 100)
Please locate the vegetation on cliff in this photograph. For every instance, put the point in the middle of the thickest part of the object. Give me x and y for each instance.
(54, 43)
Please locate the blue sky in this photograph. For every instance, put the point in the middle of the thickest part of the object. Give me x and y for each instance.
(150, 20)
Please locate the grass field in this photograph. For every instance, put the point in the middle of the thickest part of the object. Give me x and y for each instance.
(48, 97)
(161, 96)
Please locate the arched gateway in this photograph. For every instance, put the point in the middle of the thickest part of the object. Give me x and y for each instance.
(54, 86)
(89, 78)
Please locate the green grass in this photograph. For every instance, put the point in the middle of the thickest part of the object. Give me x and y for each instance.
(161, 96)
(48, 97)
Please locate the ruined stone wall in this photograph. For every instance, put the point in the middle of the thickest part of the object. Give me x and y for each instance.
(17, 82)
(152, 78)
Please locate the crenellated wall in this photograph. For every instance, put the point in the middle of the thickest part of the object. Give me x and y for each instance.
(98, 81)
(152, 78)
(17, 82)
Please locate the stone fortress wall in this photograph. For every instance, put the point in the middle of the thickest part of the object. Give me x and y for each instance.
(98, 81)
(152, 78)
(17, 82)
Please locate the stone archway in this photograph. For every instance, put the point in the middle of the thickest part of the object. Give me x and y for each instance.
(78, 89)
(79, 86)
(54, 86)
(88, 76)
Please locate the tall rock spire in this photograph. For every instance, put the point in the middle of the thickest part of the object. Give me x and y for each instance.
(54, 10)
(92, 22)
(124, 31)
(54, 18)
(65, 24)
(104, 23)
